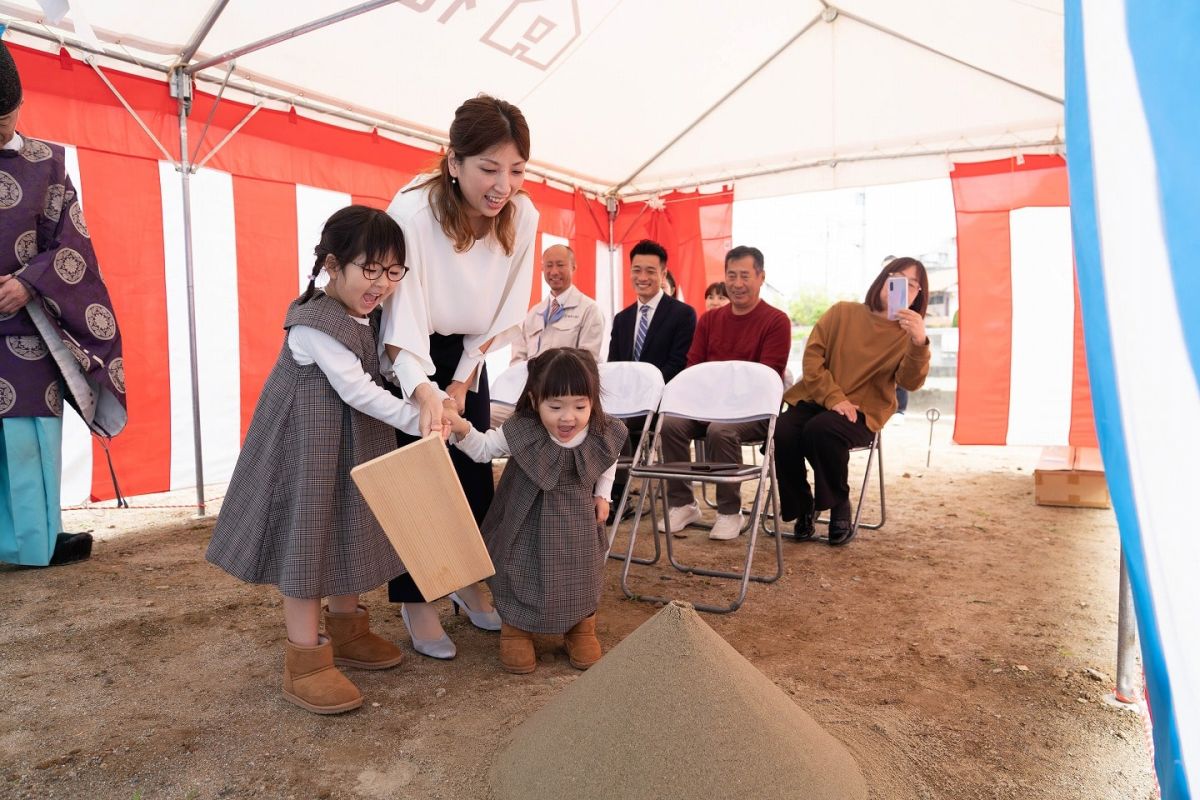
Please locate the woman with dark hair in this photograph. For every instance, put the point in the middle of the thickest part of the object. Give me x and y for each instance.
(470, 234)
(854, 360)
(715, 296)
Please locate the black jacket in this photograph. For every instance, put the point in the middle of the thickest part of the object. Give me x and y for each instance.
(667, 340)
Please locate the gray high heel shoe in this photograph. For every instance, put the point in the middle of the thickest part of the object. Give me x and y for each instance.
(484, 620)
(441, 648)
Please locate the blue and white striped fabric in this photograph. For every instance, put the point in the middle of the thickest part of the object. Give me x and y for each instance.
(1132, 119)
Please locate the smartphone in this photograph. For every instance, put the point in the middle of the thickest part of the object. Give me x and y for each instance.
(897, 294)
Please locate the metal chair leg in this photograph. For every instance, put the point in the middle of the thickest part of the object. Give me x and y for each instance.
(874, 457)
(763, 495)
(612, 536)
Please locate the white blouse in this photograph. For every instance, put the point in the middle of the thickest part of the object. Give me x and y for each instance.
(349, 380)
(481, 293)
(493, 444)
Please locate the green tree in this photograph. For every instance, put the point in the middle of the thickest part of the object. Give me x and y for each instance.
(807, 308)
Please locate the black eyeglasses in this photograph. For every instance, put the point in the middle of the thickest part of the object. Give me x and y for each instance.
(372, 270)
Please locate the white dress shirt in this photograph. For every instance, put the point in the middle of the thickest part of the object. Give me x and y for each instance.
(493, 444)
(349, 380)
(482, 293)
(653, 304)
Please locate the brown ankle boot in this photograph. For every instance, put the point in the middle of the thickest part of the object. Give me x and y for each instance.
(516, 650)
(311, 681)
(355, 646)
(583, 648)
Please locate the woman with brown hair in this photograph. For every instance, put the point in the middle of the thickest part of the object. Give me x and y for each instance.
(469, 232)
(853, 362)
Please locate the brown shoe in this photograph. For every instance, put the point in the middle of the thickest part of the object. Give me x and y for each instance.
(516, 650)
(355, 646)
(583, 648)
(311, 681)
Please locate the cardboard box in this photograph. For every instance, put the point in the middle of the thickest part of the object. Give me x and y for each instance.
(1070, 476)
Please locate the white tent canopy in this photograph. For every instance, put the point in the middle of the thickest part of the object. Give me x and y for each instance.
(632, 97)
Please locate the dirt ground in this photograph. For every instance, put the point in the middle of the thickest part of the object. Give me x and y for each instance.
(949, 651)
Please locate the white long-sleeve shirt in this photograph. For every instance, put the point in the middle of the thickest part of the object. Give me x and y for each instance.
(494, 444)
(349, 380)
(482, 293)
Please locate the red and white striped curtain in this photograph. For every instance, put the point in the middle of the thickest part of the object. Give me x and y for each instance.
(1022, 369)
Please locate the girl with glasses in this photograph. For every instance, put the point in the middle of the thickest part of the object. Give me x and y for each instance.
(292, 516)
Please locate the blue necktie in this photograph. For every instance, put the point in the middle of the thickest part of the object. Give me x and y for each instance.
(640, 338)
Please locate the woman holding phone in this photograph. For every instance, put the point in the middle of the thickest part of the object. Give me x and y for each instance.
(469, 232)
(855, 358)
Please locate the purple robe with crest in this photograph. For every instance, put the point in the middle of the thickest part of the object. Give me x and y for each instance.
(67, 334)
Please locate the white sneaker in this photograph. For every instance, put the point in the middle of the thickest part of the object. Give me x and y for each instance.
(896, 420)
(681, 517)
(727, 526)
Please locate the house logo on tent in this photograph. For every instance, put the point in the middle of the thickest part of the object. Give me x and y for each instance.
(536, 32)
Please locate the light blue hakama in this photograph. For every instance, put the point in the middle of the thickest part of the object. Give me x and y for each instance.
(30, 484)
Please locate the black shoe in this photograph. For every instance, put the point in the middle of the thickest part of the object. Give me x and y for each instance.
(805, 527)
(840, 531)
(71, 547)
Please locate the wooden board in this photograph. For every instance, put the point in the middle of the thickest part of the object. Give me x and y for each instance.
(419, 502)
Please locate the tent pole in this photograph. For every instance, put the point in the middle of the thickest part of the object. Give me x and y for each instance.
(1127, 642)
(181, 88)
(610, 204)
(206, 25)
(291, 33)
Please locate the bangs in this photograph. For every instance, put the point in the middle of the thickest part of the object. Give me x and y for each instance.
(568, 376)
(380, 236)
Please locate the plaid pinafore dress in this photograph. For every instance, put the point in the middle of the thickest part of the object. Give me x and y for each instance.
(541, 530)
(292, 515)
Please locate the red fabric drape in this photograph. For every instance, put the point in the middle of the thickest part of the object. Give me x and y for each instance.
(696, 230)
(984, 196)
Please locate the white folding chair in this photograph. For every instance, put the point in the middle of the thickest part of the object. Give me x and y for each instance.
(718, 391)
(628, 390)
(506, 389)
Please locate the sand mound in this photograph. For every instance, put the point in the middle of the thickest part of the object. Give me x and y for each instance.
(674, 712)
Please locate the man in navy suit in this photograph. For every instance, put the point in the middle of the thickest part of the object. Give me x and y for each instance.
(656, 329)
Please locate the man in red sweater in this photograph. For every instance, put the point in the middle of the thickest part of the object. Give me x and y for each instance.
(748, 329)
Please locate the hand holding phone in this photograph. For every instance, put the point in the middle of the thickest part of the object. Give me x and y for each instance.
(897, 295)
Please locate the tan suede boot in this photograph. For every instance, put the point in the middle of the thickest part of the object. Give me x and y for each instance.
(355, 646)
(583, 648)
(311, 681)
(516, 650)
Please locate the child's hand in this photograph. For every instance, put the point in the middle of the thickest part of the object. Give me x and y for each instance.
(452, 421)
(601, 510)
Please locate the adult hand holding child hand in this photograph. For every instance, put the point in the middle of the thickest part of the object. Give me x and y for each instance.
(452, 421)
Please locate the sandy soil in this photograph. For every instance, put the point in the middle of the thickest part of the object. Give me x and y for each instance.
(949, 651)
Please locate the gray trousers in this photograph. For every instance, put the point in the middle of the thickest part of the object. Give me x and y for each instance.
(722, 443)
